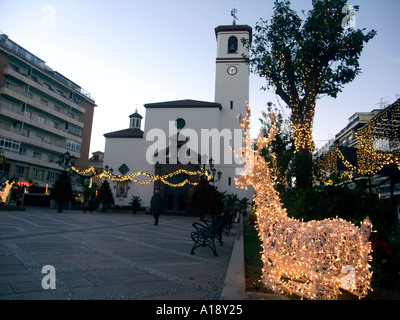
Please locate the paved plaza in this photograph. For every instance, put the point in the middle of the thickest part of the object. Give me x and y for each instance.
(109, 255)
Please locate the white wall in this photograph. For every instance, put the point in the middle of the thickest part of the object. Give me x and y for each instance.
(196, 119)
(130, 151)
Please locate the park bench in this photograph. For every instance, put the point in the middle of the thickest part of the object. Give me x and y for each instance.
(207, 231)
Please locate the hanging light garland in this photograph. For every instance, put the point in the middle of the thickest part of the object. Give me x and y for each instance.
(328, 164)
(153, 177)
(314, 259)
(385, 127)
(370, 160)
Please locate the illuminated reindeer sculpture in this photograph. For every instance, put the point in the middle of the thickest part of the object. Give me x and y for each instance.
(4, 193)
(312, 259)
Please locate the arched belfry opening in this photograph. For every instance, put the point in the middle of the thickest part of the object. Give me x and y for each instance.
(232, 44)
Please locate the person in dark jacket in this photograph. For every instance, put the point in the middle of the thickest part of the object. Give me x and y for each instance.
(156, 206)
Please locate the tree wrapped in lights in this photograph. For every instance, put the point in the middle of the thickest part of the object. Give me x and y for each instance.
(303, 60)
(312, 259)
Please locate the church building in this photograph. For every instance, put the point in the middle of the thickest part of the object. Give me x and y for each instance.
(186, 135)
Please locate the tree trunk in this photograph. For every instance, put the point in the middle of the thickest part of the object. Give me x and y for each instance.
(303, 169)
(304, 145)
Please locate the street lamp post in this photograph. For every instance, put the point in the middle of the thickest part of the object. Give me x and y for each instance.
(66, 160)
(213, 172)
(64, 193)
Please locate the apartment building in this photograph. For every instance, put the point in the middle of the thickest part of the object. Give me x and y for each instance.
(43, 115)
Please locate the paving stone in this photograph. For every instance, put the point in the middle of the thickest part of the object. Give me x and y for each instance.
(106, 256)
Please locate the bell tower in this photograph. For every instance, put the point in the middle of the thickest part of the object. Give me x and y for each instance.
(135, 120)
(232, 73)
(232, 92)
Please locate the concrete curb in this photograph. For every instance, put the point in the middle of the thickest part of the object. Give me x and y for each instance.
(234, 285)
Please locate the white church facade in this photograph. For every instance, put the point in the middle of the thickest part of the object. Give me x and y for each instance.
(186, 134)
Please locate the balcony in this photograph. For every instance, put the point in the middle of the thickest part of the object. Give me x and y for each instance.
(31, 161)
(36, 102)
(40, 87)
(12, 111)
(58, 146)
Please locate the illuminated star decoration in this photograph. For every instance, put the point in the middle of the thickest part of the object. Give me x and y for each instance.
(314, 259)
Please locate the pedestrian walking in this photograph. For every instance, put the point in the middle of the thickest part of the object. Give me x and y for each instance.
(85, 206)
(156, 206)
(228, 215)
(237, 212)
(134, 205)
(92, 205)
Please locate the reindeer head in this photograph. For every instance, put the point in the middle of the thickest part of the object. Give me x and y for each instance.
(247, 152)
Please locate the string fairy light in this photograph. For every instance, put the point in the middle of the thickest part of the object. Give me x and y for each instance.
(152, 177)
(384, 127)
(310, 259)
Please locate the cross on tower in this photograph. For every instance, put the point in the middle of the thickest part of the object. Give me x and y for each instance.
(233, 14)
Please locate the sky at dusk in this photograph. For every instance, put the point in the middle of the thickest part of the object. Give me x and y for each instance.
(127, 53)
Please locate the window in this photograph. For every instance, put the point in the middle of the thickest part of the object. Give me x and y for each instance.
(180, 123)
(73, 129)
(135, 123)
(38, 174)
(51, 175)
(21, 171)
(13, 67)
(54, 124)
(5, 126)
(232, 44)
(37, 155)
(25, 132)
(231, 105)
(73, 145)
(41, 119)
(44, 102)
(22, 151)
(39, 137)
(7, 144)
(13, 87)
(4, 170)
(229, 181)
